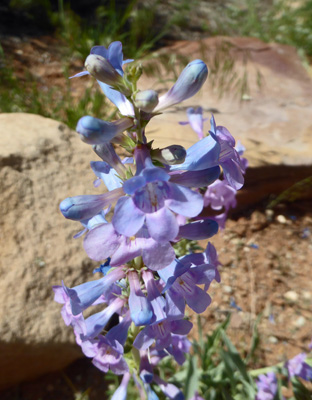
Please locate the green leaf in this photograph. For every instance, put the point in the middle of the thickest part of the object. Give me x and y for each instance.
(192, 378)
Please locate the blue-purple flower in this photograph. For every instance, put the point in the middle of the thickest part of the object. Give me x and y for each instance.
(298, 367)
(152, 200)
(114, 56)
(196, 120)
(267, 386)
(188, 84)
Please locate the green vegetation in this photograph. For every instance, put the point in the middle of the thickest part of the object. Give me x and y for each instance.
(136, 24)
(282, 21)
(26, 96)
(217, 370)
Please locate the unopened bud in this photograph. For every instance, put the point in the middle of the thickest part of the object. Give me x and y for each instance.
(95, 131)
(189, 82)
(171, 155)
(146, 100)
(102, 70)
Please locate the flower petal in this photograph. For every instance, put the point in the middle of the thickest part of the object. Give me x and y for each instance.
(127, 219)
(184, 201)
(162, 225)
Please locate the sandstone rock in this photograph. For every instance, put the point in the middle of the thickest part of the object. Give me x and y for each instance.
(42, 162)
(275, 124)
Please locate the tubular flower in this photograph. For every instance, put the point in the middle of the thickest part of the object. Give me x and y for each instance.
(188, 84)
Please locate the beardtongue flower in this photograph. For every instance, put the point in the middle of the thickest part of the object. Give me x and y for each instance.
(180, 345)
(114, 56)
(95, 131)
(196, 120)
(84, 295)
(229, 159)
(188, 84)
(215, 149)
(152, 200)
(298, 367)
(161, 333)
(60, 296)
(94, 324)
(139, 305)
(219, 194)
(101, 69)
(181, 284)
(109, 355)
(267, 386)
(108, 154)
(80, 208)
(104, 241)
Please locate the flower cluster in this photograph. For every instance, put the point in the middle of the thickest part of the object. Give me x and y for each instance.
(153, 201)
(220, 195)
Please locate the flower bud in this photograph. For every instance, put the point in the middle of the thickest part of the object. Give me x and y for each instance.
(95, 131)
(83, 207)
(188, 84)
(102, 70)
(146, 100)
(171, 155)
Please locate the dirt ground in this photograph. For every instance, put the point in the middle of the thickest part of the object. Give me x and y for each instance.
(266, 272)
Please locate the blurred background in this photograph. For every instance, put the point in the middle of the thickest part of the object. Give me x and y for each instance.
(259, 57)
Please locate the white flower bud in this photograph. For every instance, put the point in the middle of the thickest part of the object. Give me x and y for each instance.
(146, 100)
(102, 70)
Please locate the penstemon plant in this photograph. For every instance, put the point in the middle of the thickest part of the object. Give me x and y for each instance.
(158, 198)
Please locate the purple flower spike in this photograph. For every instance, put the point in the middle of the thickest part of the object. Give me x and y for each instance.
(169, 389)
(140, 307)
(80, 208)
(121, 392)
(267, 386)
(297, 367)
(84, 295)
(188, 84)
(95, 131)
